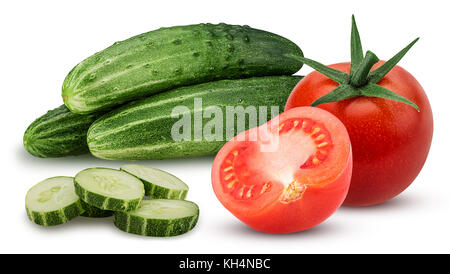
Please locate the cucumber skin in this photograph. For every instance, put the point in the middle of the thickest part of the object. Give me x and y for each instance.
(154, 227)
(159, 192)
(105, 203)
(167, 58)
(56, 217)
(94, 212)
(106, 141)
(58, 133)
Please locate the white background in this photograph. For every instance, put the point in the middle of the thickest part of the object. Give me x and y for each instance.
(40, 41)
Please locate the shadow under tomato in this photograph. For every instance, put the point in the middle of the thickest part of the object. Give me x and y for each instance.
(403, 201)
(237, 228)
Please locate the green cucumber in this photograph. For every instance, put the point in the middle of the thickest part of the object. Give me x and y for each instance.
(167, 58)
(58, 133)
(159, 218)
(158, 184)
(94, 212)
(53, 202)
(142, 129)
(109, 189)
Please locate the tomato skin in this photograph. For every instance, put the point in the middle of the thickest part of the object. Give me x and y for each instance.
(320, 199)
(390, 140)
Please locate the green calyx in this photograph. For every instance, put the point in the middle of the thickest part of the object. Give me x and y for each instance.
(361, 81)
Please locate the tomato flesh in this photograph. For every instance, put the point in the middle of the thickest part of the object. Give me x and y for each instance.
(292, 179)
(390, 140)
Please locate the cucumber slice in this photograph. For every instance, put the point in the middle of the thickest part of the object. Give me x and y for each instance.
(159, 217)
(53, 201)
(94, 212)
(158, 184)
(109, 189)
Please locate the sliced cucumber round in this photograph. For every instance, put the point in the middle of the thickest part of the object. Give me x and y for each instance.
(53, 201)
(158, 184)
(159, 217)
(109, 189)
(94, 212)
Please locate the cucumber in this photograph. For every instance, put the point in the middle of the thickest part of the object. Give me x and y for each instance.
(158, 184)
(109, 189)
(53, 201)
(166, 58)
(58, 133)
(159, 218)
(94, 212)
(142, 129)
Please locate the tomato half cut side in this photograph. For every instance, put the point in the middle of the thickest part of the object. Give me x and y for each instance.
(292, 176)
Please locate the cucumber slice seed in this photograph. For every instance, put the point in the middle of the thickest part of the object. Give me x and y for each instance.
(53, 201)
(159, 218)
(158, 183)
(109, 189)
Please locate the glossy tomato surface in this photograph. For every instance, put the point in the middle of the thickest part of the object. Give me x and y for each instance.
(287, 175)
(390, 140)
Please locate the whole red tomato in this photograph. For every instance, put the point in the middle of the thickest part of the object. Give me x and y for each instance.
(390, 139)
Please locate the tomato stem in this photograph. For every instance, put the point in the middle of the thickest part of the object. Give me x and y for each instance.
(356, 49)
(378, 74)
(359, 78)
(361, 81)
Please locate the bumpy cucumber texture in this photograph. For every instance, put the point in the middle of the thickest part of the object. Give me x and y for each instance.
(58, 133)
(143, 129)
(172, 57)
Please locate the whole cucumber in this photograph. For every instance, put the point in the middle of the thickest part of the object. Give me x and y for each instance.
(143, 129)
(58, 133)
(166, 58)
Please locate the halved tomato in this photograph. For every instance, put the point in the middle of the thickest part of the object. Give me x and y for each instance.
(288, 175)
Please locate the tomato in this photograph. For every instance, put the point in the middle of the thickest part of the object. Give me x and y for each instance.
(390, 139)
(292, 176)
